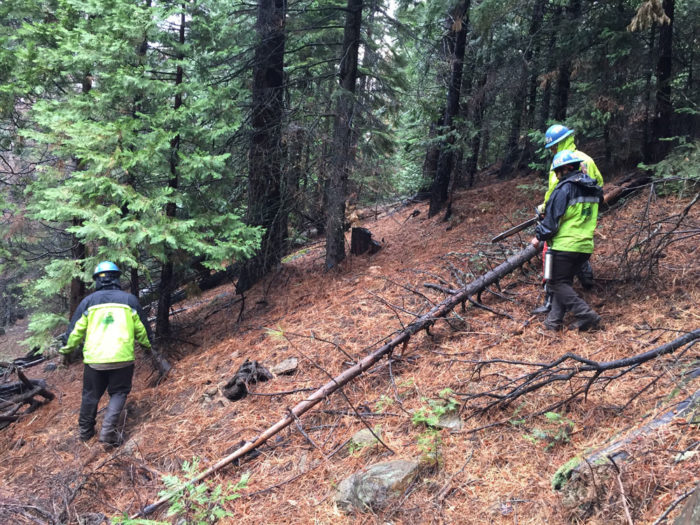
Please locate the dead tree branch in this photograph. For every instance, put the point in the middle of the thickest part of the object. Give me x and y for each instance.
(644, 247)
(563, 370)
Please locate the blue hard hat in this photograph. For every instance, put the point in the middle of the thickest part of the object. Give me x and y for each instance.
(556, 133)
(565, 157)
(106, 267)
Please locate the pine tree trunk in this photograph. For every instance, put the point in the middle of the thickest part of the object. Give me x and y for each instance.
(266, 206)
(561, 98)
(545, 103)
(167, 274)
(478, 109)
(78, 250)
(336, 190)
(661, 126)
(137, 109)
(513, 153)
(441, 182)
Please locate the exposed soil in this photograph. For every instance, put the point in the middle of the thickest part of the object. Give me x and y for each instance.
(500, 474)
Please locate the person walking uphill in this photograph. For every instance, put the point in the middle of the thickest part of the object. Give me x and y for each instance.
(570, 218)
(109, 320)
(560, 138)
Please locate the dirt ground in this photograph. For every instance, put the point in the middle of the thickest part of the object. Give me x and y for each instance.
(497, 469)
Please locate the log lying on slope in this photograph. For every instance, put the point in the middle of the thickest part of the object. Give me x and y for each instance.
(423, 322)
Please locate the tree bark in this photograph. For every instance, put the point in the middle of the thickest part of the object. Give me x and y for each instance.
(78, 250)
(545, 103)
(478, 109)
(615, 450)
(561, 98)
(661, 125)
(336, 190)
(266, 199)
(513, 153)
(441, 182)
(167, 274)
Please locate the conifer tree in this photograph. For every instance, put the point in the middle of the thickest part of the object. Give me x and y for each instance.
(119, 192)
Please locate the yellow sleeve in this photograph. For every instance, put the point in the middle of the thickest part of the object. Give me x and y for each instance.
(76, 335)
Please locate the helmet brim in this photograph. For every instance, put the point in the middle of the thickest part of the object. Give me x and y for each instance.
(570, 132)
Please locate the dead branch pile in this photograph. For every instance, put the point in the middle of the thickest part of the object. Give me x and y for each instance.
(647, 241)
(17, 395)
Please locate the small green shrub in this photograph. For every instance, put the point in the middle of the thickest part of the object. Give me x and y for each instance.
(558, 433)
(431, 413)
(383, 402)
(200, 503)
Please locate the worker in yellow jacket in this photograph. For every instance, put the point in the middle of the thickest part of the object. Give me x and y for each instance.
(109, 321)
(568, 225)
(559, 138)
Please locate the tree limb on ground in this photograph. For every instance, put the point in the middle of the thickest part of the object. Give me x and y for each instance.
(567, 367)
(615, 451)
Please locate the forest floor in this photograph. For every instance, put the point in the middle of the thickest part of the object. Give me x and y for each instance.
(497, 469)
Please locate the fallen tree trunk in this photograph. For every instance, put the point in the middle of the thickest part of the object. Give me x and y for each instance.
(624, 187)
(423, 322)
(25, 390)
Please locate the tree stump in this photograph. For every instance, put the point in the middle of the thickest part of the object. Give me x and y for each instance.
(361, 241)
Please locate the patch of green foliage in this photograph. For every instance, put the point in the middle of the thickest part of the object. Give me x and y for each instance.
(382, 403)
(679, 173)
(201, 503)
(430, 413)
(557, 433)
(429, 441)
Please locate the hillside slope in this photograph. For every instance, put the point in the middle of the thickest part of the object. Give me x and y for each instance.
(500, 474)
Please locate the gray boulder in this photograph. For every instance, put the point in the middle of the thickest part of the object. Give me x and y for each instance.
(374, 487)
(286, 367)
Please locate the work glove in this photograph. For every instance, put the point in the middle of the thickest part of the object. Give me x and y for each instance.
(63, 360)
(160, 364)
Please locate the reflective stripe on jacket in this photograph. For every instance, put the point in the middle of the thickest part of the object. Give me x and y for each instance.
(109, 321)
(587, 166)
(571, 214)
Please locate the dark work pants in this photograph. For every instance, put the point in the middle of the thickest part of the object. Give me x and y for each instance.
(564, 267)
(117, 383)
(584, 274)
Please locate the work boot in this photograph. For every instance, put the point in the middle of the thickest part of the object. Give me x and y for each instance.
(546, 307)
(110, 433)
(586, 324)
(86, 434)
(552, 327)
